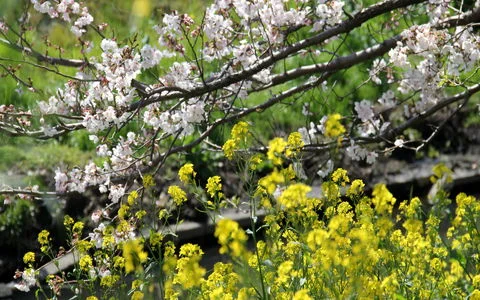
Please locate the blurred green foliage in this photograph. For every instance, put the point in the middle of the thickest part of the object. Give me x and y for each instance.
(12, 220)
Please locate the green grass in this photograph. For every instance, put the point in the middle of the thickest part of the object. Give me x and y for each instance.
(24, 157)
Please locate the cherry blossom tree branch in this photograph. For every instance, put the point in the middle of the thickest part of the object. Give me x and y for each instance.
(469, 92)
(30, 193)
(57, 130)
(108, 102)
(344, 27)
(46, 69)
(76, 63)
(393, 132)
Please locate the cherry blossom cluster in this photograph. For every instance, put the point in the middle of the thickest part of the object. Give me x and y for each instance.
(442, 56)
(69, 11)
(229, 54)
(121, 160)
(104, 100)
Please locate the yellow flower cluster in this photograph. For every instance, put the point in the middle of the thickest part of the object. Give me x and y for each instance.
(78, 227)
(229, 148)
(179, 196)
(359, 252)
(294, 144)
(339, 176)
(270, 182)
(333, 127)
(68, 221)
(186, 173)
(189, 272)
(222, 282)
(132, 197)
(339, 243)
(109, 281)
(383, 199)
(148, 181)
(356, 188)
(44, 240)
(231, 238)
(295, 197)
(44, 237)
(239, 135)
(86, 263)
(29, 257)
(240, 131)
(214, 185)
(134, 256)
(275, 150)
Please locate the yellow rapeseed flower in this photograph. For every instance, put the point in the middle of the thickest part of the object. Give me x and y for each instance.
(295, 196)
(440, 170)
(163, 214)
(222, 275)
(412, 209)
(240, 130)
(118, 262)
(179, 196)
(134, 256)
(239, 133)
(230, 237)
(213, 185)
(78, 227)
(333, 127)
(148, 181)
(190, 250)
(254, 161)
(85, 263)
(43, 237)
(275, 150)
(189, 272)
(136, 284)
(83, 245)
(294, 144)
(476, 281)
(356, 188)
(186, 173)
(123, 211)
(383, 199)
(170, 259)
(137, 295)
(132, 197)
(284, 272)
(229, 148)
(140, 214)
(246, 293)
(475, 295)
(29, 257)
(270, 182)
(155, 238)
(331, 192)
(339, 176)
(68, 221)
(108, 241)
(302, 295)
(109, 280)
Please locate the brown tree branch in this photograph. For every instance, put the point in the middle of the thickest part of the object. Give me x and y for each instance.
(344, 27)
(45, 58)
